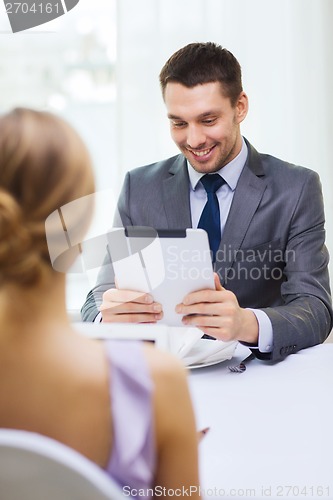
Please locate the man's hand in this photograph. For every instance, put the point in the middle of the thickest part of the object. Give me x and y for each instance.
(218, 314)
(126, 306)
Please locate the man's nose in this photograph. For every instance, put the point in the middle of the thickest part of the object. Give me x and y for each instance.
(195, 137)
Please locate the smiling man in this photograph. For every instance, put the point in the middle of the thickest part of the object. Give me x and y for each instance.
(264, 218)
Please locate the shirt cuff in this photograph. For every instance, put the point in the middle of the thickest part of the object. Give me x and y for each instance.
(98, 318)
(265, 338)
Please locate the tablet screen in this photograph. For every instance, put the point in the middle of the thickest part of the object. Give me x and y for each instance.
(166, 264)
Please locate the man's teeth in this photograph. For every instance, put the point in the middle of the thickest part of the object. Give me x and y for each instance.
(201, 153)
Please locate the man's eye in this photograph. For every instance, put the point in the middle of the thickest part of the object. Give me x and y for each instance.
(209, 122)
(178, 124)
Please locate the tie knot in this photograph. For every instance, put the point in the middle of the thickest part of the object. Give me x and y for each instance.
(211, 182)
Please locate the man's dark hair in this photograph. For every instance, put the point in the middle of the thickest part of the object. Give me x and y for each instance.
(199, 63)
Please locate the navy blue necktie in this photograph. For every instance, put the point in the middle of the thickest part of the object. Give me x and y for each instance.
(210, 217)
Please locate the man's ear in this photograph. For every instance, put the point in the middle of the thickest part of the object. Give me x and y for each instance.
(242, 107)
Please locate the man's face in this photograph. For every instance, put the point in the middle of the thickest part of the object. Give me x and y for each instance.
(204, 125)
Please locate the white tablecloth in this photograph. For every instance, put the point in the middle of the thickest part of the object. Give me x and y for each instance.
(271, 427)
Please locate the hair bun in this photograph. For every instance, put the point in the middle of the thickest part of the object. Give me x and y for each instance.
(18, 260)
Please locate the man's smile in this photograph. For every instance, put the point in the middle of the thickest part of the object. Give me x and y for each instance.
(202, 153)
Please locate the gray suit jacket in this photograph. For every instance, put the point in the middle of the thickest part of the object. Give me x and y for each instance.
(272, 254)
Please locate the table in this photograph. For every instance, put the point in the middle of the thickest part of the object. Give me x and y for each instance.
(271, 427)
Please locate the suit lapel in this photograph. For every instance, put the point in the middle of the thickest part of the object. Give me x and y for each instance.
(176, 196)
(247, 197)
(248, 194)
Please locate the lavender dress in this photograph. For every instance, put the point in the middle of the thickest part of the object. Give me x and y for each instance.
(133, 457)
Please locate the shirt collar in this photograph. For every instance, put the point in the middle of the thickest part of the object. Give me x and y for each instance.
(230, 172)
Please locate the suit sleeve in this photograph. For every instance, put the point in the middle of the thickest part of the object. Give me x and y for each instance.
(105, 278)
(305, 318)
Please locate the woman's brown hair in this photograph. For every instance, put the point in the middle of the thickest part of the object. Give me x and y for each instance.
(44, 165)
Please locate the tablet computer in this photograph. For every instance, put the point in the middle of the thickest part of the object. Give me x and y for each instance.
(168, 264)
